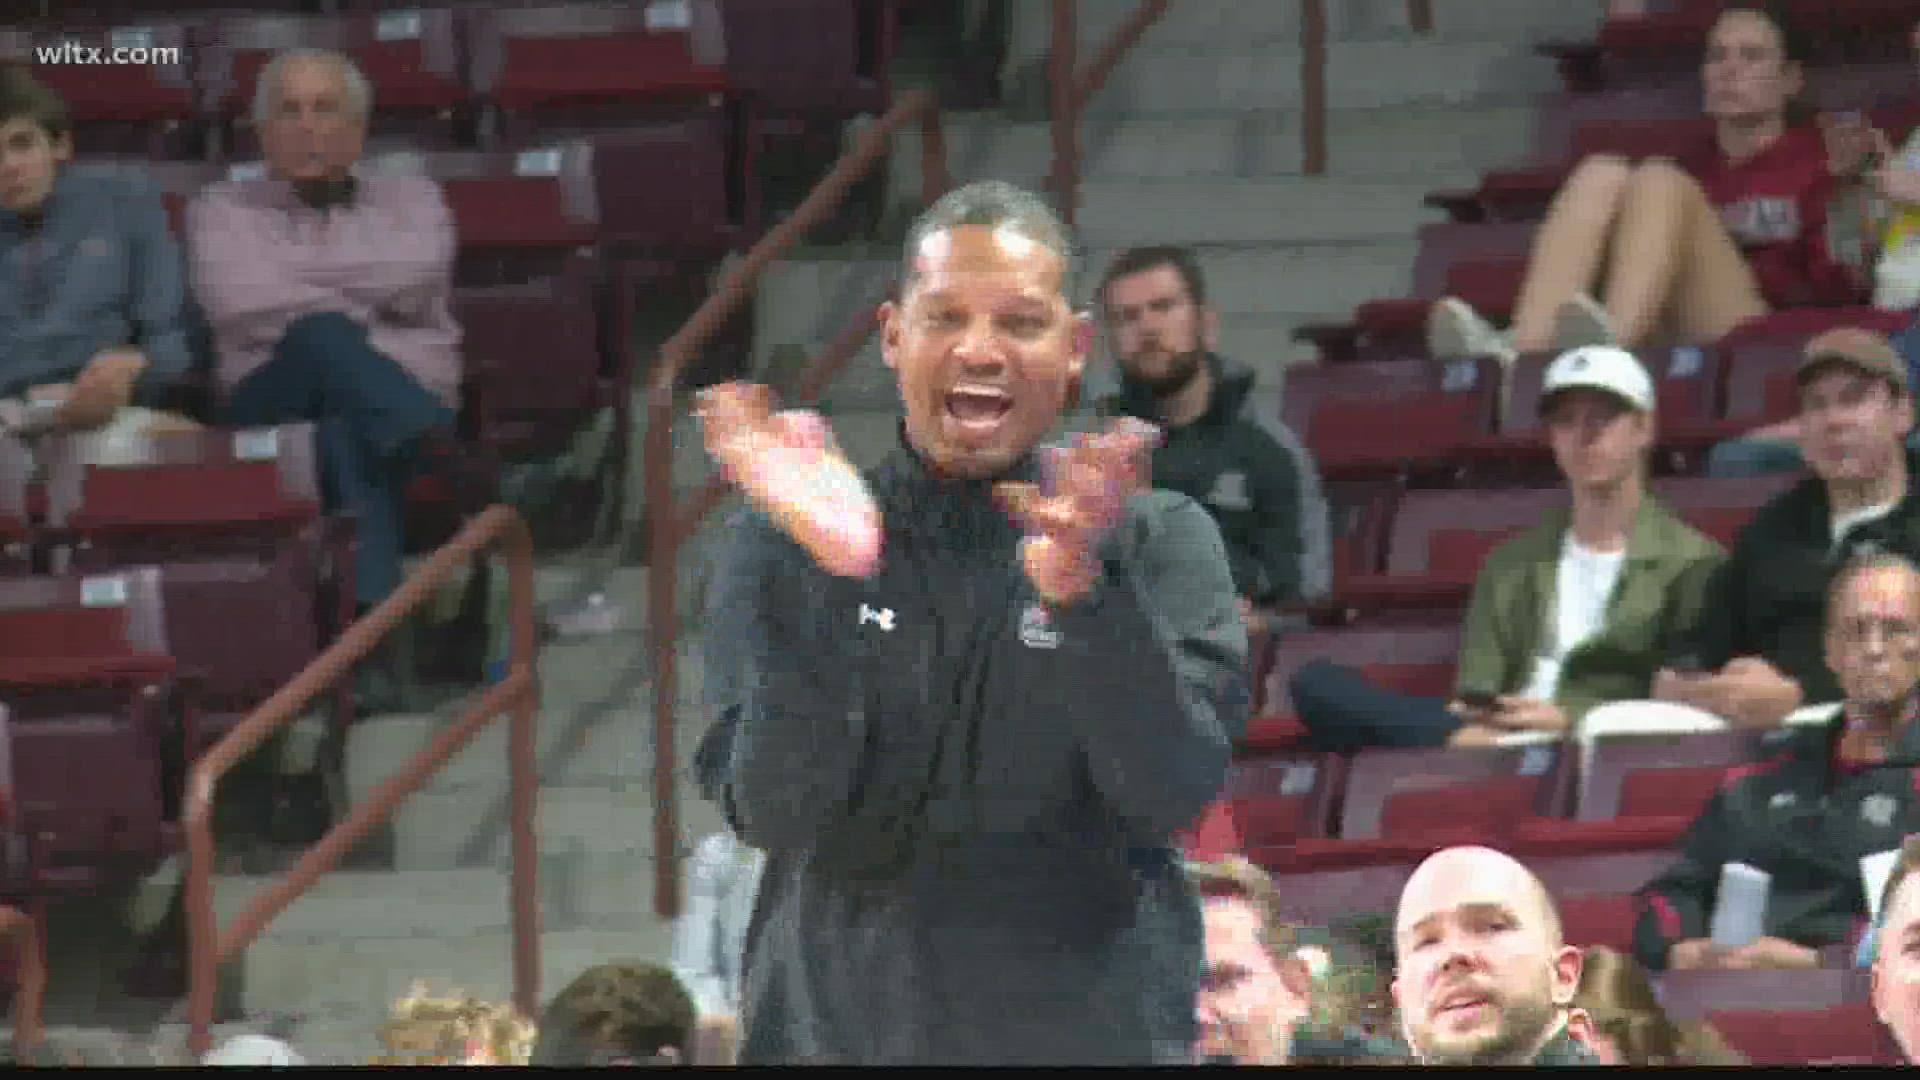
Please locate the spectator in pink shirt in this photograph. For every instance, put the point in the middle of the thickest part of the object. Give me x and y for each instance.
(328, 292)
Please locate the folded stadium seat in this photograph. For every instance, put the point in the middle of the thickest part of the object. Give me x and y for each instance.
(573, 66)
(16, 531)
(682, 188)
(1390, 418)
(1358, 513)
(1524, 194)
(1594, 893)
(1720, 508)
(1410, 659)
(1278, 799)
(1686, 383)
(411, 58)
(1694, 995)
(232, 519)
(1403, 804)
(146, 109)
(86, 674)
(1637, 792)
(811, 56)
(520, 216)
(1849, 1033)
(1438, 541)
(1392, 327)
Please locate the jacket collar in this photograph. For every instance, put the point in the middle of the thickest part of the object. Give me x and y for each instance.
(1231, 385)
(963, 506)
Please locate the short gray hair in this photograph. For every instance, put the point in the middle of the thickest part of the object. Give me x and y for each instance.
(994, 204)
(359, 90)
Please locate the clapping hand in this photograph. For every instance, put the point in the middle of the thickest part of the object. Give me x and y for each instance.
(1092, 479)
(788, 465)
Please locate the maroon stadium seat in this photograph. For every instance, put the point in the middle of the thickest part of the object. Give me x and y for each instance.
(410, 58)
(517, 215)
(1392, 417)
(1594, 893)
(16, 535)
(86, 673)
(1848, 1033)
(1318, 897)
(1413, 660)
(1721, 508)
(148, 109)
(1642, 791)
(1403, 804)
(1359, 512)
(1278, 799)
(1438, 541)
(828, 56)
(593, 65)
(1694, 995)
(1480, 263)
(680, 186)
(1686, 383)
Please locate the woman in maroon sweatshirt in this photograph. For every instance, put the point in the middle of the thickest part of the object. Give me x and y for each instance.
(1683, 250)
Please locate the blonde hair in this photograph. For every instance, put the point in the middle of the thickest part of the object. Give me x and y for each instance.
(454, 1030)
(1236, 877)
(1618, 998)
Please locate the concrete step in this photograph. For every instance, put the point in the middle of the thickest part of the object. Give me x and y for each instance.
(1203, 23)
(1156, 80)
(1304, 280)
(1411, 143)
(1250, 213)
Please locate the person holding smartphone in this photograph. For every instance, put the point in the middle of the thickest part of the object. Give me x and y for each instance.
(1577, 611)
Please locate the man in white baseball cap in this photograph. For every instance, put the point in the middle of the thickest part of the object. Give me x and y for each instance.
(1570, 614)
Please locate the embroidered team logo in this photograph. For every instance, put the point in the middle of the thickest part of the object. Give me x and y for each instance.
(1781, 800)
(1036, 629)
(1230, 492)
(1877, 810)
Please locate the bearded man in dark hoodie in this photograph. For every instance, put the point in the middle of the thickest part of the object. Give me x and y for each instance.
(1220, 449)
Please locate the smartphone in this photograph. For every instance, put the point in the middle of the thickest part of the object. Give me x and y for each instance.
(1479, 699)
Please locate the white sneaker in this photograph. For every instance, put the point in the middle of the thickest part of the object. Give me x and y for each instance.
(1580, 322)
(1456, 332)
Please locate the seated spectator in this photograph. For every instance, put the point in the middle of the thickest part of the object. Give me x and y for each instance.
(1894, 181)
(710, 936)
(1687, 250)
(92, 330)
(1617, 1014)
(327, 292)
(1485, 976)
(1577, 611)
(1896, 965)
(454, 1030)
(1833, 795)
(618, 1014)
(1755, 654)
(1220, 447)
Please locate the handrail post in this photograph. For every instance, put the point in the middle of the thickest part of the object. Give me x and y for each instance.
(30, 952)
(517, 692)
(1420, 16)
(1066, 121)
(1313, 87)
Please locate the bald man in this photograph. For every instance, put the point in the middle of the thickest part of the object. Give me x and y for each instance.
(1896, 966)
(1485, 976)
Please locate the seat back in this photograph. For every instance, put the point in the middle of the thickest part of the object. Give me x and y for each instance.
(810, 55)
(1447, 534)
(245, 627)
(410, 58)
(572, 54)
(1444, 243)
(81, 641)
(1594, 893)
(1374, 416)
(1721, 508)
(1846, 1032)
(516, 216)
(1280, 798)
(158, 494)
(136, 108)
(1358, 515)
(1411, 659)
(1638, 138)
(1659, 775)
(1686, 383)
(535, 347)
(1422, 793)
(675, 185)
(1695, 995)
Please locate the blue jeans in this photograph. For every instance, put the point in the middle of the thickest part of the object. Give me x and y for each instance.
(1764, 457)
(1345, 712)
(369, 415)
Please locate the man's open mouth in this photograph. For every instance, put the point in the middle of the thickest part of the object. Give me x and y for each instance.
(978, 407)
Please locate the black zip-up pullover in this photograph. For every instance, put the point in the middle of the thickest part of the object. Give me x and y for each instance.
(966, 798)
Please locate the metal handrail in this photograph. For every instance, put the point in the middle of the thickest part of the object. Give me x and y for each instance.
(1073, 87)
(498, 527)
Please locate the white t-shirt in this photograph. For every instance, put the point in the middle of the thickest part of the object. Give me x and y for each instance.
(1848, 520)
(1581, 593)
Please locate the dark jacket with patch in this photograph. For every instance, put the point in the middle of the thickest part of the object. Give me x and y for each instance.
(1804, 820)
(1254, 476)
(966, 798)
(1769, 598)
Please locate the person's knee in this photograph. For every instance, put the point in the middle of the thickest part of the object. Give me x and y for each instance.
(1662, 176)
(1599, 176)
(320, 333)
(1312, 684)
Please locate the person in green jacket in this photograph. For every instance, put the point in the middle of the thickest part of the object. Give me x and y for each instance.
(1578, 611)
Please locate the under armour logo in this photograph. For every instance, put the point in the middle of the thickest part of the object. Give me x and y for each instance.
(1036, 630)
(1878, 810)
(1781, 800)
(881, 617)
